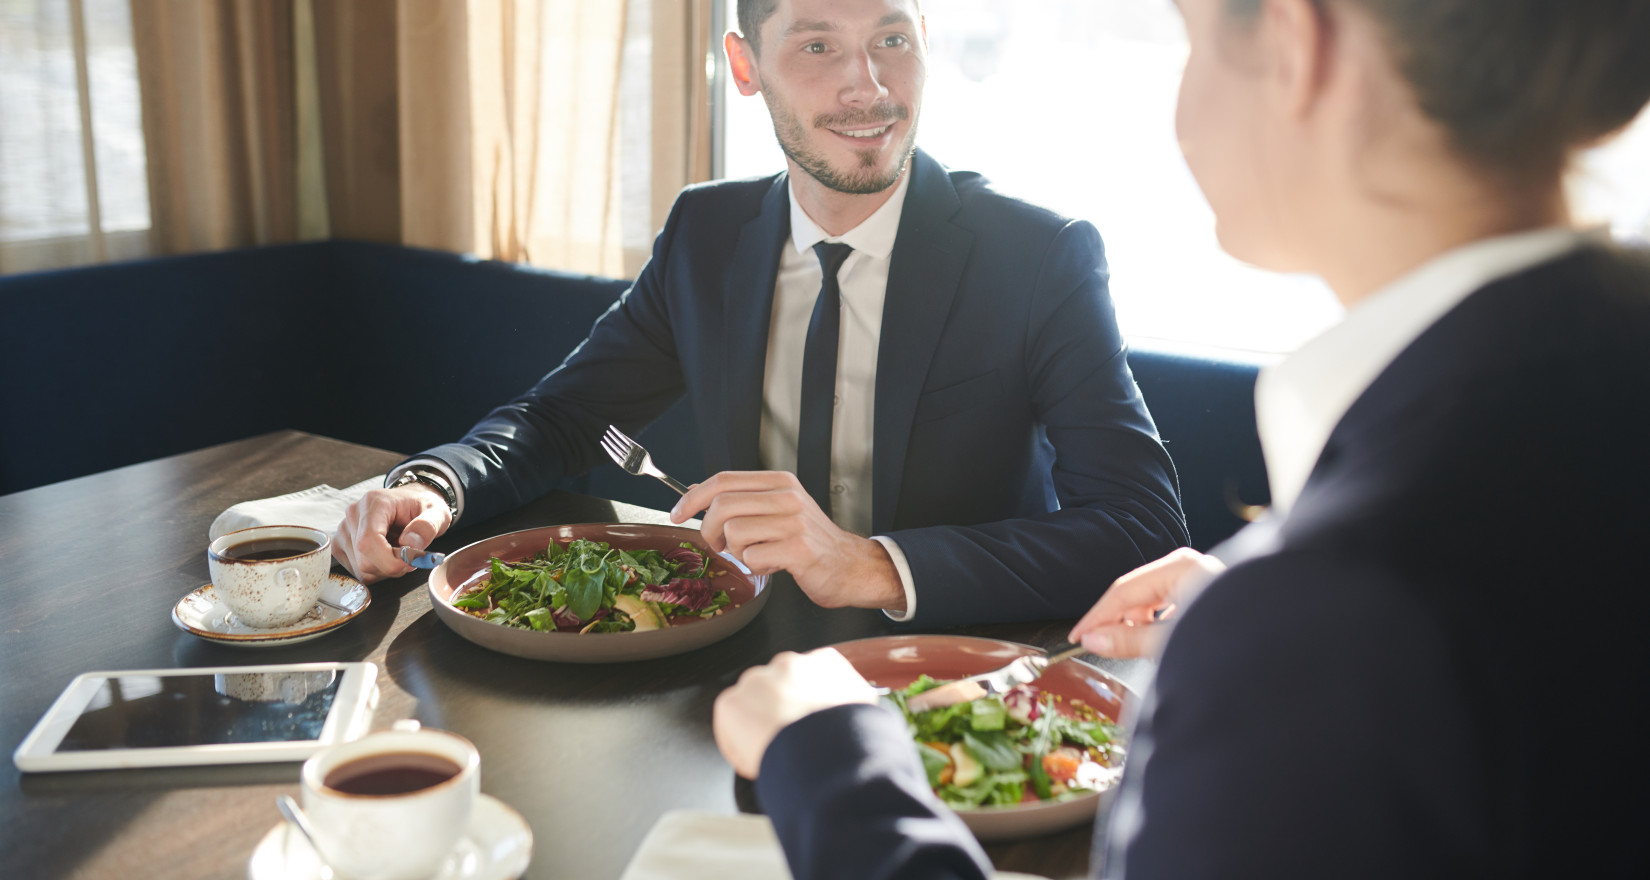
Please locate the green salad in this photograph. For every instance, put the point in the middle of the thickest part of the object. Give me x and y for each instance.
(1013, 748)
(591, 586)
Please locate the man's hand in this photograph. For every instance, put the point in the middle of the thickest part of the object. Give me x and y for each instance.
(1121, 623)
(767, 698)
(769, 522)
(416, 511)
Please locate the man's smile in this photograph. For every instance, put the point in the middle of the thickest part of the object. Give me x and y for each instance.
(862, 132)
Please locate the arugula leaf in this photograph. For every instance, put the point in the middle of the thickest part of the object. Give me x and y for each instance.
(993, 749)
(992, 789)
(1042, 740)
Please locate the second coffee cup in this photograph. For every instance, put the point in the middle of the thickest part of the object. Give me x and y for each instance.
(392, 805)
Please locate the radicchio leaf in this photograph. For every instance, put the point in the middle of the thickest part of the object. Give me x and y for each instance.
(686, 557)
(694, 594)
(567, 620)
(1024, 703)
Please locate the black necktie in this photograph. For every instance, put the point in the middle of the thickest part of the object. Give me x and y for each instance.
(813, 436)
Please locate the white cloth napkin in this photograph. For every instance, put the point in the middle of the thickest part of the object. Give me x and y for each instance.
(319, 507)
(690, 845)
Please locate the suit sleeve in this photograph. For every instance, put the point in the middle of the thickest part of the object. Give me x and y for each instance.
(849, 798)
(1306, 721)
(626, 373)
(1118, 493)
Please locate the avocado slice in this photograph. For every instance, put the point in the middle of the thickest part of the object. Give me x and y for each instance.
(645, 614)
(969, 768)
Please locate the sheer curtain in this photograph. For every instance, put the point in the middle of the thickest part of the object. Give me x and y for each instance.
(555, 132)
(72, 184)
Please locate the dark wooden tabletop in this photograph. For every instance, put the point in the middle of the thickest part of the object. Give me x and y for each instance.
(591, 756)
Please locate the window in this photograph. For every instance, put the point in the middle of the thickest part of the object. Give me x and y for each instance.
(66, 197)
(1026, 92)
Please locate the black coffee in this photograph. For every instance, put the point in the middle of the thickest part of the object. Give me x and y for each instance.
(263, 549)
(391, 773)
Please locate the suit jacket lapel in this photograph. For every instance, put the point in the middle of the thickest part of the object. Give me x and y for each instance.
(927, 265)
(747, 311)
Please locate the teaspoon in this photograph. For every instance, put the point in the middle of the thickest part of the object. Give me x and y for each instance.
(295, 815)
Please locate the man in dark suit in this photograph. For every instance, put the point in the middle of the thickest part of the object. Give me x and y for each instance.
(938, 364)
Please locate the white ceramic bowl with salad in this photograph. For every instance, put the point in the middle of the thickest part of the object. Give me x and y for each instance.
(1033, 763)
(594, 593)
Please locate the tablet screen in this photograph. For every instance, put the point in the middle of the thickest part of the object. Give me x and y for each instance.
(162, 711)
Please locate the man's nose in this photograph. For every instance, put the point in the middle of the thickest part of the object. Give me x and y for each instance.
(864, 82)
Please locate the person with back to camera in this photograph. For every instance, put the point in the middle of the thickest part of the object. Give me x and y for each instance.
(1426, 661)
(982, 451)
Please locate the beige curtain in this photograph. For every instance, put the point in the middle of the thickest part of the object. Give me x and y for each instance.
(220, 122)
(492, 127)
(683, 54)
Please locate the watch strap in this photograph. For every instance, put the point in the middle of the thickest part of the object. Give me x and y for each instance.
(435, 480)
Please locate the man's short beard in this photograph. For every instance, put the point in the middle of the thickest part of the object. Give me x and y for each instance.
(864, 179)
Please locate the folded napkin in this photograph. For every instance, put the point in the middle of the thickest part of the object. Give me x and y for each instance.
(319, 507)
(690, 845)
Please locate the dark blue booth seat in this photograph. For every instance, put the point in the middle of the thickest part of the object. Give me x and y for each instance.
(403, 349)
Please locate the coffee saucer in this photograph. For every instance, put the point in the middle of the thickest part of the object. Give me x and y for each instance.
(204, 614)
(497, 845)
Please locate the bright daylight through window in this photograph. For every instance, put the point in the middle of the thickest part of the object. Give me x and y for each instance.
(66, 197)
(1070, 104)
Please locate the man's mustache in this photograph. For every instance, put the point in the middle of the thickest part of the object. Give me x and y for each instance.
(869, 116)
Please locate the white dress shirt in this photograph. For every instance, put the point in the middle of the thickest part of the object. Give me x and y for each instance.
(863, 280)
(1299, 400)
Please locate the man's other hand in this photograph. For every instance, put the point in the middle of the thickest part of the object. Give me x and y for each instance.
(416, 513)
(1123, 622)
(767, 698)
(770, 523)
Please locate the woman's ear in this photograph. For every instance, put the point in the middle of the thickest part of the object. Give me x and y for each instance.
(1298, 39)
(741, 63)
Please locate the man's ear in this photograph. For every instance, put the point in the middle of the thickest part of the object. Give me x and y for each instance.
(741, 63)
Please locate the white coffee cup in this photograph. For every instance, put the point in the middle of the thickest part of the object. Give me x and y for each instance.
(270, 592)
(393, 836)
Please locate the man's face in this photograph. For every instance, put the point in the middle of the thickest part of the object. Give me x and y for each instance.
(843, 81)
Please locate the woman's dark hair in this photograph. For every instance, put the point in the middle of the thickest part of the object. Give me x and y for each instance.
(1518, 84)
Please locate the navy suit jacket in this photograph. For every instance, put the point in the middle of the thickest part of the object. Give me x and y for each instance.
(1014, 460)
(1434, 666)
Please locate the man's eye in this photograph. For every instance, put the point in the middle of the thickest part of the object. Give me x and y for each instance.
(893, 41)
(814, 48)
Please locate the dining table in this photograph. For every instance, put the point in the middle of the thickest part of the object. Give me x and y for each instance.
(590, 755)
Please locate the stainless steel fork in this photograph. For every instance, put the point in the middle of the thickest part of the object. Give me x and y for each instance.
(1021, 670)
(630, 455)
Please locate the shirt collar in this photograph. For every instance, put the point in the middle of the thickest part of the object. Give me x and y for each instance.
(1299, 400)
(874, 236)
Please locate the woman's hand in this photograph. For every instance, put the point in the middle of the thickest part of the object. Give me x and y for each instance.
(1122, 623)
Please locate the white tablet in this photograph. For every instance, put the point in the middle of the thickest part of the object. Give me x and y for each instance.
(208, 715)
